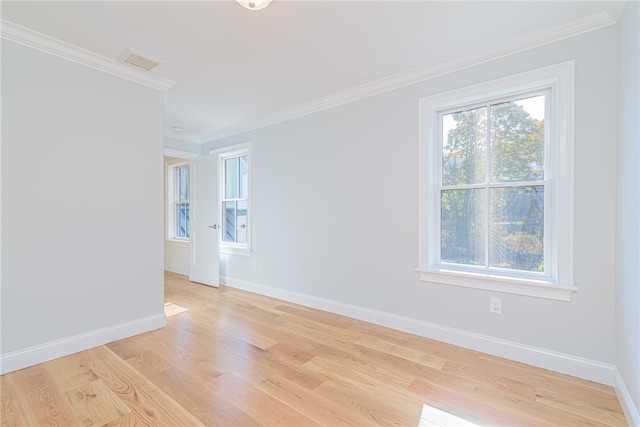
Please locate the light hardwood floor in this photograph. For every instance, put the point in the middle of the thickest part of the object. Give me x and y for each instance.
(233, 358)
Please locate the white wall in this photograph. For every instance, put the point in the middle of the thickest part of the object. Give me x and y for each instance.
(81, 207)
(335, 211)
(628, 218)
(176, 257)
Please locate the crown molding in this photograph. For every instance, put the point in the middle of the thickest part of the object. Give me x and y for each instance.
(576, 25)
(183, 136)
(38, 41)
(180, 154)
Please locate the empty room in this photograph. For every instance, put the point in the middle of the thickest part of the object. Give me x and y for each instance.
(320, 213)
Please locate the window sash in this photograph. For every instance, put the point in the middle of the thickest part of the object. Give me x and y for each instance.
(181, 198)
(487, 185)
(182, 184)
(181, 220)
(489, 237)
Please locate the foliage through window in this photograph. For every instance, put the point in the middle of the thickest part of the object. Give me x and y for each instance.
(492, 185)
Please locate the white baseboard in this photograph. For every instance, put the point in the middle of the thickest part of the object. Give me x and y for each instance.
(628, 407)
(19, 359)
(178, 269)
(567, 364)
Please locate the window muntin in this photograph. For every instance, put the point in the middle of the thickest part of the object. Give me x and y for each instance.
(235, 198)
(492, 185)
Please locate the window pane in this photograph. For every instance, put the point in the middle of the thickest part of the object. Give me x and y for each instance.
(517, 227)
(462, 226)
(244, 177)
(231, 178)
(187, 220)
(183, 184)
(241, 222)
(464, 147)
(182, 220)
(229, 221)
(517, 140)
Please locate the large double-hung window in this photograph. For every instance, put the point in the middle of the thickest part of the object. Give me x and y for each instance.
(492, 185)
(496, 185)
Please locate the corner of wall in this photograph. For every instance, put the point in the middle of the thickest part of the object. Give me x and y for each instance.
(626, 402)
(24, 358)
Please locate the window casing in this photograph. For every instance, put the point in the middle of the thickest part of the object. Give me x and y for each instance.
(178, 204)
(235, 203)
(496, 185)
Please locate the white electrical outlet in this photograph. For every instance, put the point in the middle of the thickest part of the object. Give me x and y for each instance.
(254, 264)
(496, 305)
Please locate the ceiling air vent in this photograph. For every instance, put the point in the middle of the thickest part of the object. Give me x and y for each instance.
(139, 59)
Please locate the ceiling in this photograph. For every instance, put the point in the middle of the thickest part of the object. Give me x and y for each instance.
(232, 66)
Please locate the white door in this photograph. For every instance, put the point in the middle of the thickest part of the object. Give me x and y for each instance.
(204, 249)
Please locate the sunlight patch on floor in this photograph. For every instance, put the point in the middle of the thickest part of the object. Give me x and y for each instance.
(170, 309)
(432, 417)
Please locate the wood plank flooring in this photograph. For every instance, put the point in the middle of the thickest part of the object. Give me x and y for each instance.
(232, 358)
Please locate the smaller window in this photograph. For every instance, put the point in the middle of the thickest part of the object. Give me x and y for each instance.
(178, 203)
(235, 200)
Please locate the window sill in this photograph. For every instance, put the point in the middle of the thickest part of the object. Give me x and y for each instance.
(528, 287)
(232, 250)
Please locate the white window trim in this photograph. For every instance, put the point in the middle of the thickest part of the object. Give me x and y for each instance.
(559, 285)
(243, 249)
(171, 194)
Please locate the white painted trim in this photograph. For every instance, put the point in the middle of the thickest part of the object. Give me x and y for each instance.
(180, 154)
(232, 148)
(510, 285)
(38, 41)
(567, 364)
(576, 25)
(178, 269)
(183, 136)
(628, 407)
(20, 359)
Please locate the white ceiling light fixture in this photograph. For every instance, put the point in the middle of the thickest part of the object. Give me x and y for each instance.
(254, 4)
